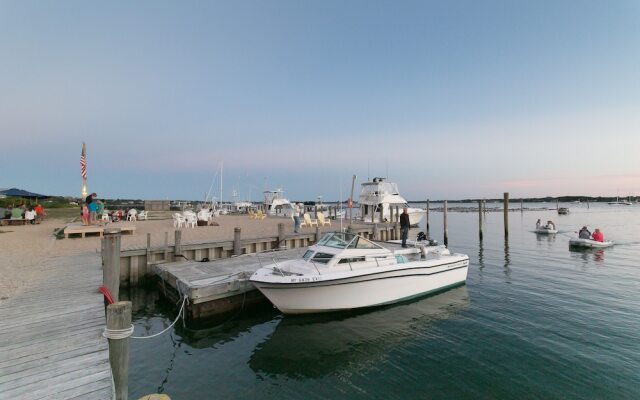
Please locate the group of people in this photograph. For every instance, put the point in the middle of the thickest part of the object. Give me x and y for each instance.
(32, 214)
(550, 225)
(597, 235)
(91, 208)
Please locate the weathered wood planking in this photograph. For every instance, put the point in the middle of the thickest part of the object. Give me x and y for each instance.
(51, 345)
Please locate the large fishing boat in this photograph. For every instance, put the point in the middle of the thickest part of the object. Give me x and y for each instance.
(379, 197)
(276, 204)
(345, 271)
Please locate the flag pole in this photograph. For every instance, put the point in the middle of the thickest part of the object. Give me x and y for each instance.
(83, 170)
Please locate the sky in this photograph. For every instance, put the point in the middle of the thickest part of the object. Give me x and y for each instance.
(450, 99)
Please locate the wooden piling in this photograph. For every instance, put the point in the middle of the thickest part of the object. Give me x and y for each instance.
(427, 217)
(281, 236)
(119, 317)
(446, 224)
(166, 247)
(317, 233)
(237, 246)
(521, 206)
(148, 249)
(506, 214)
(557, 204)
(375, 231)
(480, 219)
(111, 261)
(177, 247)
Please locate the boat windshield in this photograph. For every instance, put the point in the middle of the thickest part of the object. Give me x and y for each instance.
(342, 240)
(338, 240)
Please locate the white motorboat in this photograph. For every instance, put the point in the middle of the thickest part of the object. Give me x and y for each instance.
(380, 196)
(589, 243)
(345, 271)
(276, 204)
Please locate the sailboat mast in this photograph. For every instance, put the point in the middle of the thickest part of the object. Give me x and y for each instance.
(221, 166)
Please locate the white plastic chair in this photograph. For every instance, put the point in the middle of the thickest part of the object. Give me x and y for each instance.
(132, 215)
(191, 220)
(178, 221)
(142, 215)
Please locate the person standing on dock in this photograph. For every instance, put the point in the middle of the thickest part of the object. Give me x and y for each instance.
(296, 218)
(404, 226)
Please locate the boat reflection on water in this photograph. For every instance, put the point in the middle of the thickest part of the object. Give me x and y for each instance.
(316, 345)
(585, 252)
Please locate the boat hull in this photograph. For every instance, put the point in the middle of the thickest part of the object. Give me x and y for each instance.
(373, 289)
(543, 231)
(588, 243)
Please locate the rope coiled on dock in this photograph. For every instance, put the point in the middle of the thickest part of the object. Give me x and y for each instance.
(117, 334)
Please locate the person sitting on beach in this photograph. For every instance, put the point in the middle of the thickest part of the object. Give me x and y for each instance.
(584, 233)
(598, 236)
(16, 213)
(30, 216)
(550, 225)
(538, 224)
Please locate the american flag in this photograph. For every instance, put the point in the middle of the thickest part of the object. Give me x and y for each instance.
(83, 163)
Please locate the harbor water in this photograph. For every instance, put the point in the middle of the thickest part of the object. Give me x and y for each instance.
(535, 320)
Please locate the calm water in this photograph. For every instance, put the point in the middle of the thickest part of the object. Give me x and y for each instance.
(535, 320)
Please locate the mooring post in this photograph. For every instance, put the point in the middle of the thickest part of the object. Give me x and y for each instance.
(480, 219)
(317, 233)
(166, 247)
(237, 249)
(446, 224)
(521, 206)
(177, 247)
(427, 217)
(148, 249)
(375, 231)
(506, 214)
(119, 317)
(557, 204)
(281, 235)
(111, 261)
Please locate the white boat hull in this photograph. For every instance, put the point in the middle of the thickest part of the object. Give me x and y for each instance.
(588, 243)
(366, 290)
(543, 231)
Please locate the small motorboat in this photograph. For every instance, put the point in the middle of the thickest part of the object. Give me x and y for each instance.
(589, 243)
(546, 230)
(344, 271)
(563, 211)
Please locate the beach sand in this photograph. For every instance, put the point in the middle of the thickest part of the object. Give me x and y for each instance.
(24, 249)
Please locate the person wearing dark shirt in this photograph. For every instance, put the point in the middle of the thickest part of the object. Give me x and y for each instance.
(584, 233)
(404, 226)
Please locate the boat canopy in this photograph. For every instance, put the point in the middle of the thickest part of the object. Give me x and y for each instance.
(343, 240)
(379, 188)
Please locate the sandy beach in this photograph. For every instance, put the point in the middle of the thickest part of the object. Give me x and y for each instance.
(25, 248)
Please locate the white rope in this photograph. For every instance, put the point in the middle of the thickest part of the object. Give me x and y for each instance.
(127, 332)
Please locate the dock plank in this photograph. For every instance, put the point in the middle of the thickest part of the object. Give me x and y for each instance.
(51, 345)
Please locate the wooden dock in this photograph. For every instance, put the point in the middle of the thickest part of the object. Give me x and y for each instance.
(84, 230)
(51, 345)
(217, 287)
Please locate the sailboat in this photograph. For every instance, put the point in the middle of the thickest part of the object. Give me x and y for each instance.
(619, 202)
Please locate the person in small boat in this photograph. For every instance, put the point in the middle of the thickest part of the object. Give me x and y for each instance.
(404, 226)
(538, 224)
(584, 233)
(598, 236)
(550, 225)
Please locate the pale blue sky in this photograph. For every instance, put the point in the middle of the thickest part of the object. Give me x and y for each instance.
(459, 98)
